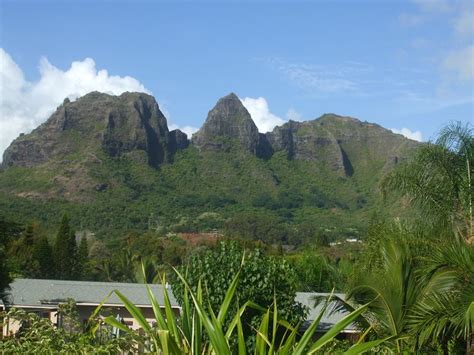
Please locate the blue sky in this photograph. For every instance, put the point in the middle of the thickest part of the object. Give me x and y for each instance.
(401, 64)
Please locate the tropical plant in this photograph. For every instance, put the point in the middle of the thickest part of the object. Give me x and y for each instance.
(420, 301)
(439, 180)
(201, 330)
(446, 309)
(263, 279)
(315, 272)
(5, 278)
(39, 336)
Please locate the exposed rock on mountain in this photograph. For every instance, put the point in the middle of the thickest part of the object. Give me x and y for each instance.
(117, 125)
(178, 140)
(113, 161)
(229, 119)
(339, 142)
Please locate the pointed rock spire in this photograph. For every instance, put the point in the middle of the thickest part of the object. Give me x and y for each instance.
(228, 120)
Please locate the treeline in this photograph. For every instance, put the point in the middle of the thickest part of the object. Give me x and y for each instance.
(32, 254)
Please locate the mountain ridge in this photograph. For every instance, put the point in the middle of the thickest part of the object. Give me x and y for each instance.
(113, 161)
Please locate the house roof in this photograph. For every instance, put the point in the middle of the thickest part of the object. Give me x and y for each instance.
(42, 293)
(330, 317)
(48, 293)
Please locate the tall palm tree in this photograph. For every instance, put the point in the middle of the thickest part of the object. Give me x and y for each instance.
(439, 180)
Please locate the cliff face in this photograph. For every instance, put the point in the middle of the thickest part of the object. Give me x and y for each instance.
(117, 125)
(229, 119)
(308, 141)
(113, 160)
(80, 149)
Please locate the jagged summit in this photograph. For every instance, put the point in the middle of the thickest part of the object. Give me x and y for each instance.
(132, 125)
(229, 119)
(98, 123)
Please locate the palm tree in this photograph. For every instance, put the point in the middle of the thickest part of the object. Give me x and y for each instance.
(419, 301)
(439, 180)
(391, 293)
(446, 307)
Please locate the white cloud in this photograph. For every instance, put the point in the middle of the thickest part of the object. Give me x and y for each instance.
(189, 130)
(462, 63)
(415, 135)
(261, 115)
(24, 105)
(294, 115)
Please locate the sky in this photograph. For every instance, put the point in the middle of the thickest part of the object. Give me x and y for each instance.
(406, 65)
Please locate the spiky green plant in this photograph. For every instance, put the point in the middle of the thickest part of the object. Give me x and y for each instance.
(199, 330)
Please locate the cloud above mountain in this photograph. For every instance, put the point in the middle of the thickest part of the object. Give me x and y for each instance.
(415, 135)
(261, 115)
(24, 104)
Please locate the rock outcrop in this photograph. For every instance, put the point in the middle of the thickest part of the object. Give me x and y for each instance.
(228, 120)
(116, 125)
(178, 140)
(308, 141)
(339, 142)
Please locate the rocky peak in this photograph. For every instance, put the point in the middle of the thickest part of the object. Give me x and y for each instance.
(178, 140)
(117, 125)
(229, 119)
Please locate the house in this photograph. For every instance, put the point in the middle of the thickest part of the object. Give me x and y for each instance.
(44, 297)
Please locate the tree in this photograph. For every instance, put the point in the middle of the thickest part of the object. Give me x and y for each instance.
(315, 273)
(263, 279)
(21, 250)
(82, 258)
(5, 278)
(419, 301)
(446, 310)
(439, 180)
(43, 254)
(65, 251)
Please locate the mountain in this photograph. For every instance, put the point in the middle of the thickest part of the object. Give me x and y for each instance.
(112, 162)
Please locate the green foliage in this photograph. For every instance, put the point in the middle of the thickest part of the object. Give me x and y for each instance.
(43, 254)
(419, 298)
(39, 336)
(225, 182)
(439, 180)
(257, 226)
(65, 251)
(316, 273)
(5, 278)
(262, 279)
(202, 330)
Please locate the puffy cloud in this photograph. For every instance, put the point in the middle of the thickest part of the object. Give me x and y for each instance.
(24, 105)
(189, 130)
(261, 115)
(461, 62)
(415, 135)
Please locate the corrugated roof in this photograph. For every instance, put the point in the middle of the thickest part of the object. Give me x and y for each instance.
(36, 292)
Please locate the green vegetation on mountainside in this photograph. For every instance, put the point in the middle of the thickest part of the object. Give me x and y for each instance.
(137, 197)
